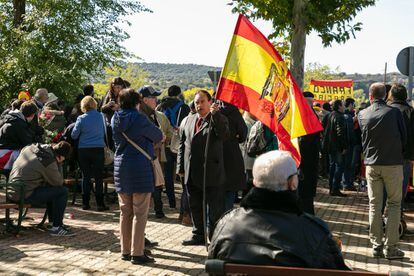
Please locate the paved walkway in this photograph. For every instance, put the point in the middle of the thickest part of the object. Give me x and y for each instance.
(96, 250)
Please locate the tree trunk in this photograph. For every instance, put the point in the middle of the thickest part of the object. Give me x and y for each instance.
(19, 9)
(298, 42)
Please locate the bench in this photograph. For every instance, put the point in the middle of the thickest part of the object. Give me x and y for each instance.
(21, 206)
(219, 267)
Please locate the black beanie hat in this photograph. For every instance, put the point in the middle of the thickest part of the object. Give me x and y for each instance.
(174, 91)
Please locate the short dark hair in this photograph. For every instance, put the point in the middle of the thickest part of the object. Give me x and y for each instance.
(88, 90)
(62, 148)
(129, 98)
(378, 90)
(308, 94)
(204, 92)
(349, 101)
(174, 91)
(399, 92)
(336, 104)
(28, 108)
(327, 106)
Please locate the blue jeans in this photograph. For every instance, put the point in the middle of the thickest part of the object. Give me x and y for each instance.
(55, 198)
(185, 205)
(349, 171)
(336, 169)
(169, 176)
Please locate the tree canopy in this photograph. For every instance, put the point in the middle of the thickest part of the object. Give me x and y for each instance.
(60, 45)
(294, 19)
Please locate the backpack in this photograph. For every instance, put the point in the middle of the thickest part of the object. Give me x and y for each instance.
(171, 113)
(256, 142)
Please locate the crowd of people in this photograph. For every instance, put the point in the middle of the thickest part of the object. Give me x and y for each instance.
(220, 156)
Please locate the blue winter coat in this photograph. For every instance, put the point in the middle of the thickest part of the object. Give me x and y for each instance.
(133, 171)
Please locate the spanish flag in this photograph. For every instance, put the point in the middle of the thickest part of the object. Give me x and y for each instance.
(256, 79)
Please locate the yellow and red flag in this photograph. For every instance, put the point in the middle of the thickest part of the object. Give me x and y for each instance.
(256, 79)
(328, 90)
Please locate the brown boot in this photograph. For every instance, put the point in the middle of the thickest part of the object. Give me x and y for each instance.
(186, 220)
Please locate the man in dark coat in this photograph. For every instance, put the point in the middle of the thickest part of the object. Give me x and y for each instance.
(269, 228)
(398, 99)
(384, 169)
(308, 170)
(233, 159)
(191, 158)
(15, 129)
(335, 143)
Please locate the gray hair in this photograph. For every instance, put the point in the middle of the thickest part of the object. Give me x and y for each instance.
(40, 91)
(272, 170)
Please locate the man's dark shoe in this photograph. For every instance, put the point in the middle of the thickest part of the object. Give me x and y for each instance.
(102, 208)
(160, 215)
(193, 241)
(126, 257)
(150, 244)
(86, 207)
(144, 259)
(338, 193)
(393, 253)
(377, 252)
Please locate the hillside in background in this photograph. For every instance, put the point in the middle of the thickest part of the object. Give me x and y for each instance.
(187, 76)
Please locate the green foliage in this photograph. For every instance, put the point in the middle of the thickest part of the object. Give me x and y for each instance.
(316, 71)
(190, 93)
(331, 19)
(130, 72)
(360, 97)
(61, 44)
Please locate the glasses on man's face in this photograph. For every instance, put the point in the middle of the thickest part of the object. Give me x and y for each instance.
(118, 87)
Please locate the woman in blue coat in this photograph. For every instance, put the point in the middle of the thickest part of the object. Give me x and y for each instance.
(133, 173)
(89, 129)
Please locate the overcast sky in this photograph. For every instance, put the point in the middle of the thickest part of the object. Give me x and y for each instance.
(199, 31)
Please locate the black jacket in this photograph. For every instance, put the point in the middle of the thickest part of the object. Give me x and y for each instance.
(407, 113)
(170, 102)
(233, 159)
(190, 158)
(270, 229)
(15, 131)
(383, 134)
(335, 136)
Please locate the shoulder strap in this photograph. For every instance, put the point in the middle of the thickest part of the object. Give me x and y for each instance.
(104, 126)
(135, 145)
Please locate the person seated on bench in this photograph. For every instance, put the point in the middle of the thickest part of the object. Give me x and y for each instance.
(269, 228)
(39, 168)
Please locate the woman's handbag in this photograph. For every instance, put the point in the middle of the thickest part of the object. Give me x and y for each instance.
(156, 166)
(175, 139)
(109, 154)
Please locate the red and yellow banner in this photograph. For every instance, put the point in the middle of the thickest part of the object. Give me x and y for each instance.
(256, 79)
(328, 90)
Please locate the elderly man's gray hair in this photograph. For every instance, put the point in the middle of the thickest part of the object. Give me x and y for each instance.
(40, 92)
(272, 170)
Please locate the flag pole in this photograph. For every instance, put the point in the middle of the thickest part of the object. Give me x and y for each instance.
(214, 76)
(385, 74)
